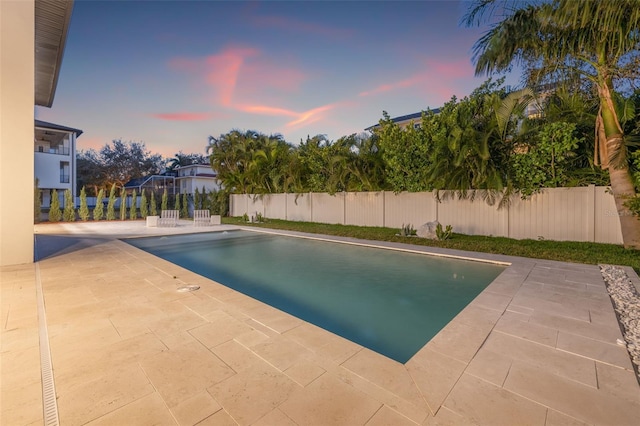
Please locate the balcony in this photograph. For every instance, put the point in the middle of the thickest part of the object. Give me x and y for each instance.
(59, 150)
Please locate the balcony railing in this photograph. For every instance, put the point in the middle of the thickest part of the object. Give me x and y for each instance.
(63, 150)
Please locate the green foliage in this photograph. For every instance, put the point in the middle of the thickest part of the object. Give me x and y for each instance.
(55, 214)
(133, 209)
(176, 205)
(218, 202)
(69, 213)
(184, 211)
(443, 234)
(36, 201)
(245, 217)
(98, 211)
(406, 153)
(83, 212)
(144, 205)
(633, 204)
(123, 204)
(197, 204)
(164, 204)
(204, 202)
(111, 204)
(407, 230)
(547, 162)
(153, 206)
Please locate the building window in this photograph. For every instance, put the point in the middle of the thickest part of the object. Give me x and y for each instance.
(64, 172)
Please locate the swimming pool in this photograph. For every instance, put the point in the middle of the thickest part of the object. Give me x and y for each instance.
(389, 301)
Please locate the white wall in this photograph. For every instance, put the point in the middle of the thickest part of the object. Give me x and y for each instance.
(17, 76)
(563, 214)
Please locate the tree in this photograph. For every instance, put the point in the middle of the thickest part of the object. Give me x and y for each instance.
(181, 159)
(569, 40)
(69, 213)
(164, 204)
(197, 205)
(54, 209)
(153, 206)
(98, 211)
(204, 203)
(144, 205)
(111, 204)
(176, 205)
(184, 212)
(133, 209)
(123, 204)
(90, 171)
(84, 208)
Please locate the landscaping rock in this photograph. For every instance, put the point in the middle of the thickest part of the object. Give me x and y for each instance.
(428, 230)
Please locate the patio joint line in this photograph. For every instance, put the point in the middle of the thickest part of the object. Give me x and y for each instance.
(49, 401)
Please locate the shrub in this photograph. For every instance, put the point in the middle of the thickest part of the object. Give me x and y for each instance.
(98, 211)
(185, 206)
(153, 206)
(164, 205)
(111, 205)
(54, 209)
(443, 234)
(197, 205)
(69, 213)
(144, 207)
(176, 205)
(84, 208)
(133, 209)
(123, 205)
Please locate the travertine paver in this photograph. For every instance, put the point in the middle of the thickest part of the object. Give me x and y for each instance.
(538, 346)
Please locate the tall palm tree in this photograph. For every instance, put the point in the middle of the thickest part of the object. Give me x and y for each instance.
(573, 39)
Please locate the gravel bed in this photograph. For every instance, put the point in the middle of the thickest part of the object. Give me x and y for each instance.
(626, 302)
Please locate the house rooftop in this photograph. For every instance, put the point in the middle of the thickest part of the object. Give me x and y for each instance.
(407, 117)
(46, 125)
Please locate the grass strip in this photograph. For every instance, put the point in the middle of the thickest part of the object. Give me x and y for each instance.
(564, 251)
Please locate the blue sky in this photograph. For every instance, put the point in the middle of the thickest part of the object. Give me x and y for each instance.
(171, 73)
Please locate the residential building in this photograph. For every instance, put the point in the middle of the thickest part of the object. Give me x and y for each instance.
(55, 159)
(197, 176)
(33, 34)
(405, 120)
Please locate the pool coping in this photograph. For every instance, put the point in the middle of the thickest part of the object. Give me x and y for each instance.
(537, 346)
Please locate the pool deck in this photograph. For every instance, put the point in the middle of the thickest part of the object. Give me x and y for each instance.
(537, 347)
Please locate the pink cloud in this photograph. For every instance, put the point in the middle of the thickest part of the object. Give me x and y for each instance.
(311, 115)
(182, 116)
(407, 82)
(267, 110)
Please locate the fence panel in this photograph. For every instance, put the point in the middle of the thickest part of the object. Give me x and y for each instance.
(473, 217)
(327, 208)
(409, 208)
(275, 206)
(607, 222)
(238, 204)
(561, 214)
(299, 207)
(364, 208)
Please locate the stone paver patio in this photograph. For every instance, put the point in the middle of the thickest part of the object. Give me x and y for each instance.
(537, 347)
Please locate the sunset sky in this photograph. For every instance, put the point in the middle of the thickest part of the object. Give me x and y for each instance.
(171, 73)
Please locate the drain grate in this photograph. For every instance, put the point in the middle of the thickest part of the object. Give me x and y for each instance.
(187, 288)
(49, 402)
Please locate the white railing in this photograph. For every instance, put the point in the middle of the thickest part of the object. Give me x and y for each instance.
(563, 214)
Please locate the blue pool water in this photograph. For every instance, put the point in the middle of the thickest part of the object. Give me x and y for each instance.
(389, 301)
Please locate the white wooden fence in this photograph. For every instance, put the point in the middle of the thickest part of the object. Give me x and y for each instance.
(563, 214)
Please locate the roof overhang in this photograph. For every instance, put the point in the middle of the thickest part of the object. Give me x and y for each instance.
(52, 18)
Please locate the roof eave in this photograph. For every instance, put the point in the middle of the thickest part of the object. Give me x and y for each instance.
(52, 19)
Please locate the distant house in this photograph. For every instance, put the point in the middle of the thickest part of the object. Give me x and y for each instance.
(405, 120)
(196, 176)
(55, 159)
(154, 183)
